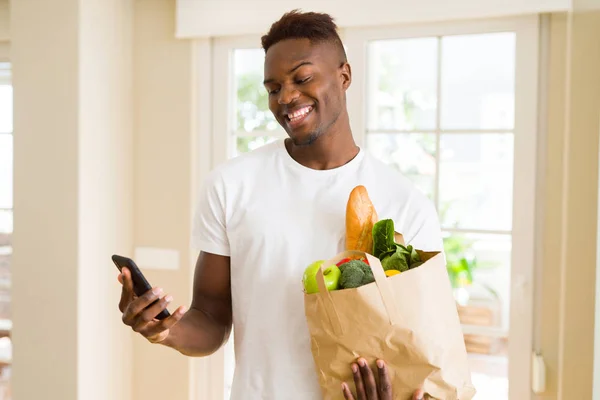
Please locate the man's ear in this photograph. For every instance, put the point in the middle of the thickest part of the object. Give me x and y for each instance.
(346, 75)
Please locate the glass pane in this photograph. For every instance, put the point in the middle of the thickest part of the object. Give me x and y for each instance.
(252, 101)
(490, 377)
(6, 221)
(412, 154)
(5, 239)
(479, 269)
(5, 75)
(6, 108)
(245, 144)
(478, 78)
(6, 171)
(476, 181)
(5, 257)
(402, 84)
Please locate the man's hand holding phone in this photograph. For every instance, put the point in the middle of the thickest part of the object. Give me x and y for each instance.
(199, 331)
(140, 313)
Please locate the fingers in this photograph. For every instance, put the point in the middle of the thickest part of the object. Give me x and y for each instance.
(128, 282)
(135, 307)
(369, 379)
(346, 391)
(149, 313)
(366, 386)
(127, 294)
(358, 382)
(157, 331)
(385, 385)
(419, 395)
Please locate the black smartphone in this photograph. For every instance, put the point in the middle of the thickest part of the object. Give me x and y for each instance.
(140, 284)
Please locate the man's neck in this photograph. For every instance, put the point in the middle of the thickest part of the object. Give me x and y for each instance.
(330, 150)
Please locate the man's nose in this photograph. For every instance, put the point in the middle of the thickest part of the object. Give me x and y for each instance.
(287, 95)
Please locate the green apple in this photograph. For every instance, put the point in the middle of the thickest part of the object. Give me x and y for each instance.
(331, 274)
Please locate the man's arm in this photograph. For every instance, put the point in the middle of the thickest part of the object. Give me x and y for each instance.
(200, 331)
(206, 326)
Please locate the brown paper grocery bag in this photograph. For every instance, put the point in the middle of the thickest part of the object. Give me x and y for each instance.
(409, 320)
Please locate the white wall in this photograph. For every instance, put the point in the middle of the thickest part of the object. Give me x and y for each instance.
(4, 20)
(221, 18)
(73, 197)
(163, 78)
(105, 200)
(45, 258)
(596, 386)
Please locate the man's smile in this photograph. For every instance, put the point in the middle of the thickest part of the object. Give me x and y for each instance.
(298, 116)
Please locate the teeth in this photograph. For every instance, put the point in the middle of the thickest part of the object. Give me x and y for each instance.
(298, 114)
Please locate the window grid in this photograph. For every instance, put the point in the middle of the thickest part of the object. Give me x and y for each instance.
(491, 331)
(438, 132)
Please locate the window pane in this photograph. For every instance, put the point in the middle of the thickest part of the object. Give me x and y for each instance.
(6, 108)
(5, 74)
(478, 81)
(479, 269)
(402, 84)
(476, 181)
(6, 221)
(5, 239)
(245, 144)
(252, 102)
(490, 377)
(6, 171)
(5, 257)
(412, 154)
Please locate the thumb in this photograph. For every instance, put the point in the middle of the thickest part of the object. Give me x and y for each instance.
(419, 395)
(127, 293)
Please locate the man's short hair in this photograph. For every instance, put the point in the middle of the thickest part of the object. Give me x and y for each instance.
(316, 27)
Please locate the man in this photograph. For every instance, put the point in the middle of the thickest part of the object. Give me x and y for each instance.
(264, 216)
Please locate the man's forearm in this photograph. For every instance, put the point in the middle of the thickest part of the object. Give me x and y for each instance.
(197, 334)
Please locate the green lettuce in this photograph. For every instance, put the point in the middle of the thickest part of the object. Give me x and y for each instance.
(392, 255)
(383, 238)
(395, 261)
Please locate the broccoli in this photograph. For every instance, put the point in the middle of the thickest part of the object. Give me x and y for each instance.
(355, 273)
(351, 277)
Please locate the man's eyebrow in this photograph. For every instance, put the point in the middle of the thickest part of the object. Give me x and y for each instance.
(290, 71)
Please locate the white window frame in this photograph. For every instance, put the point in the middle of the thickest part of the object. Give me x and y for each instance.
(213, 59)
(6, 324)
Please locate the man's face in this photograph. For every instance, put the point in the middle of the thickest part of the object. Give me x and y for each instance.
(306, 85)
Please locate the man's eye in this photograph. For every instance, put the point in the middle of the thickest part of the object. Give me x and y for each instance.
(274, 91)
(304, 80)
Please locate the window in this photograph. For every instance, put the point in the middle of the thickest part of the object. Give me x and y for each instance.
(6, 223)
(452, 106)
(441, 110)
(254, 123)
(244, 113)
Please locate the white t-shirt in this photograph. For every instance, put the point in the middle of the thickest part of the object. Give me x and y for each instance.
(274, 217)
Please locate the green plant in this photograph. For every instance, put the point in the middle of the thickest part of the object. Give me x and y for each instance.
(460, 261)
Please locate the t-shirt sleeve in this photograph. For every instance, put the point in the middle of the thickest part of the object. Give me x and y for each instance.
(425, 230)
(209, 233)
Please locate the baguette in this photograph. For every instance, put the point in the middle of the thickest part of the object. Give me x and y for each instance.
(360, 218)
